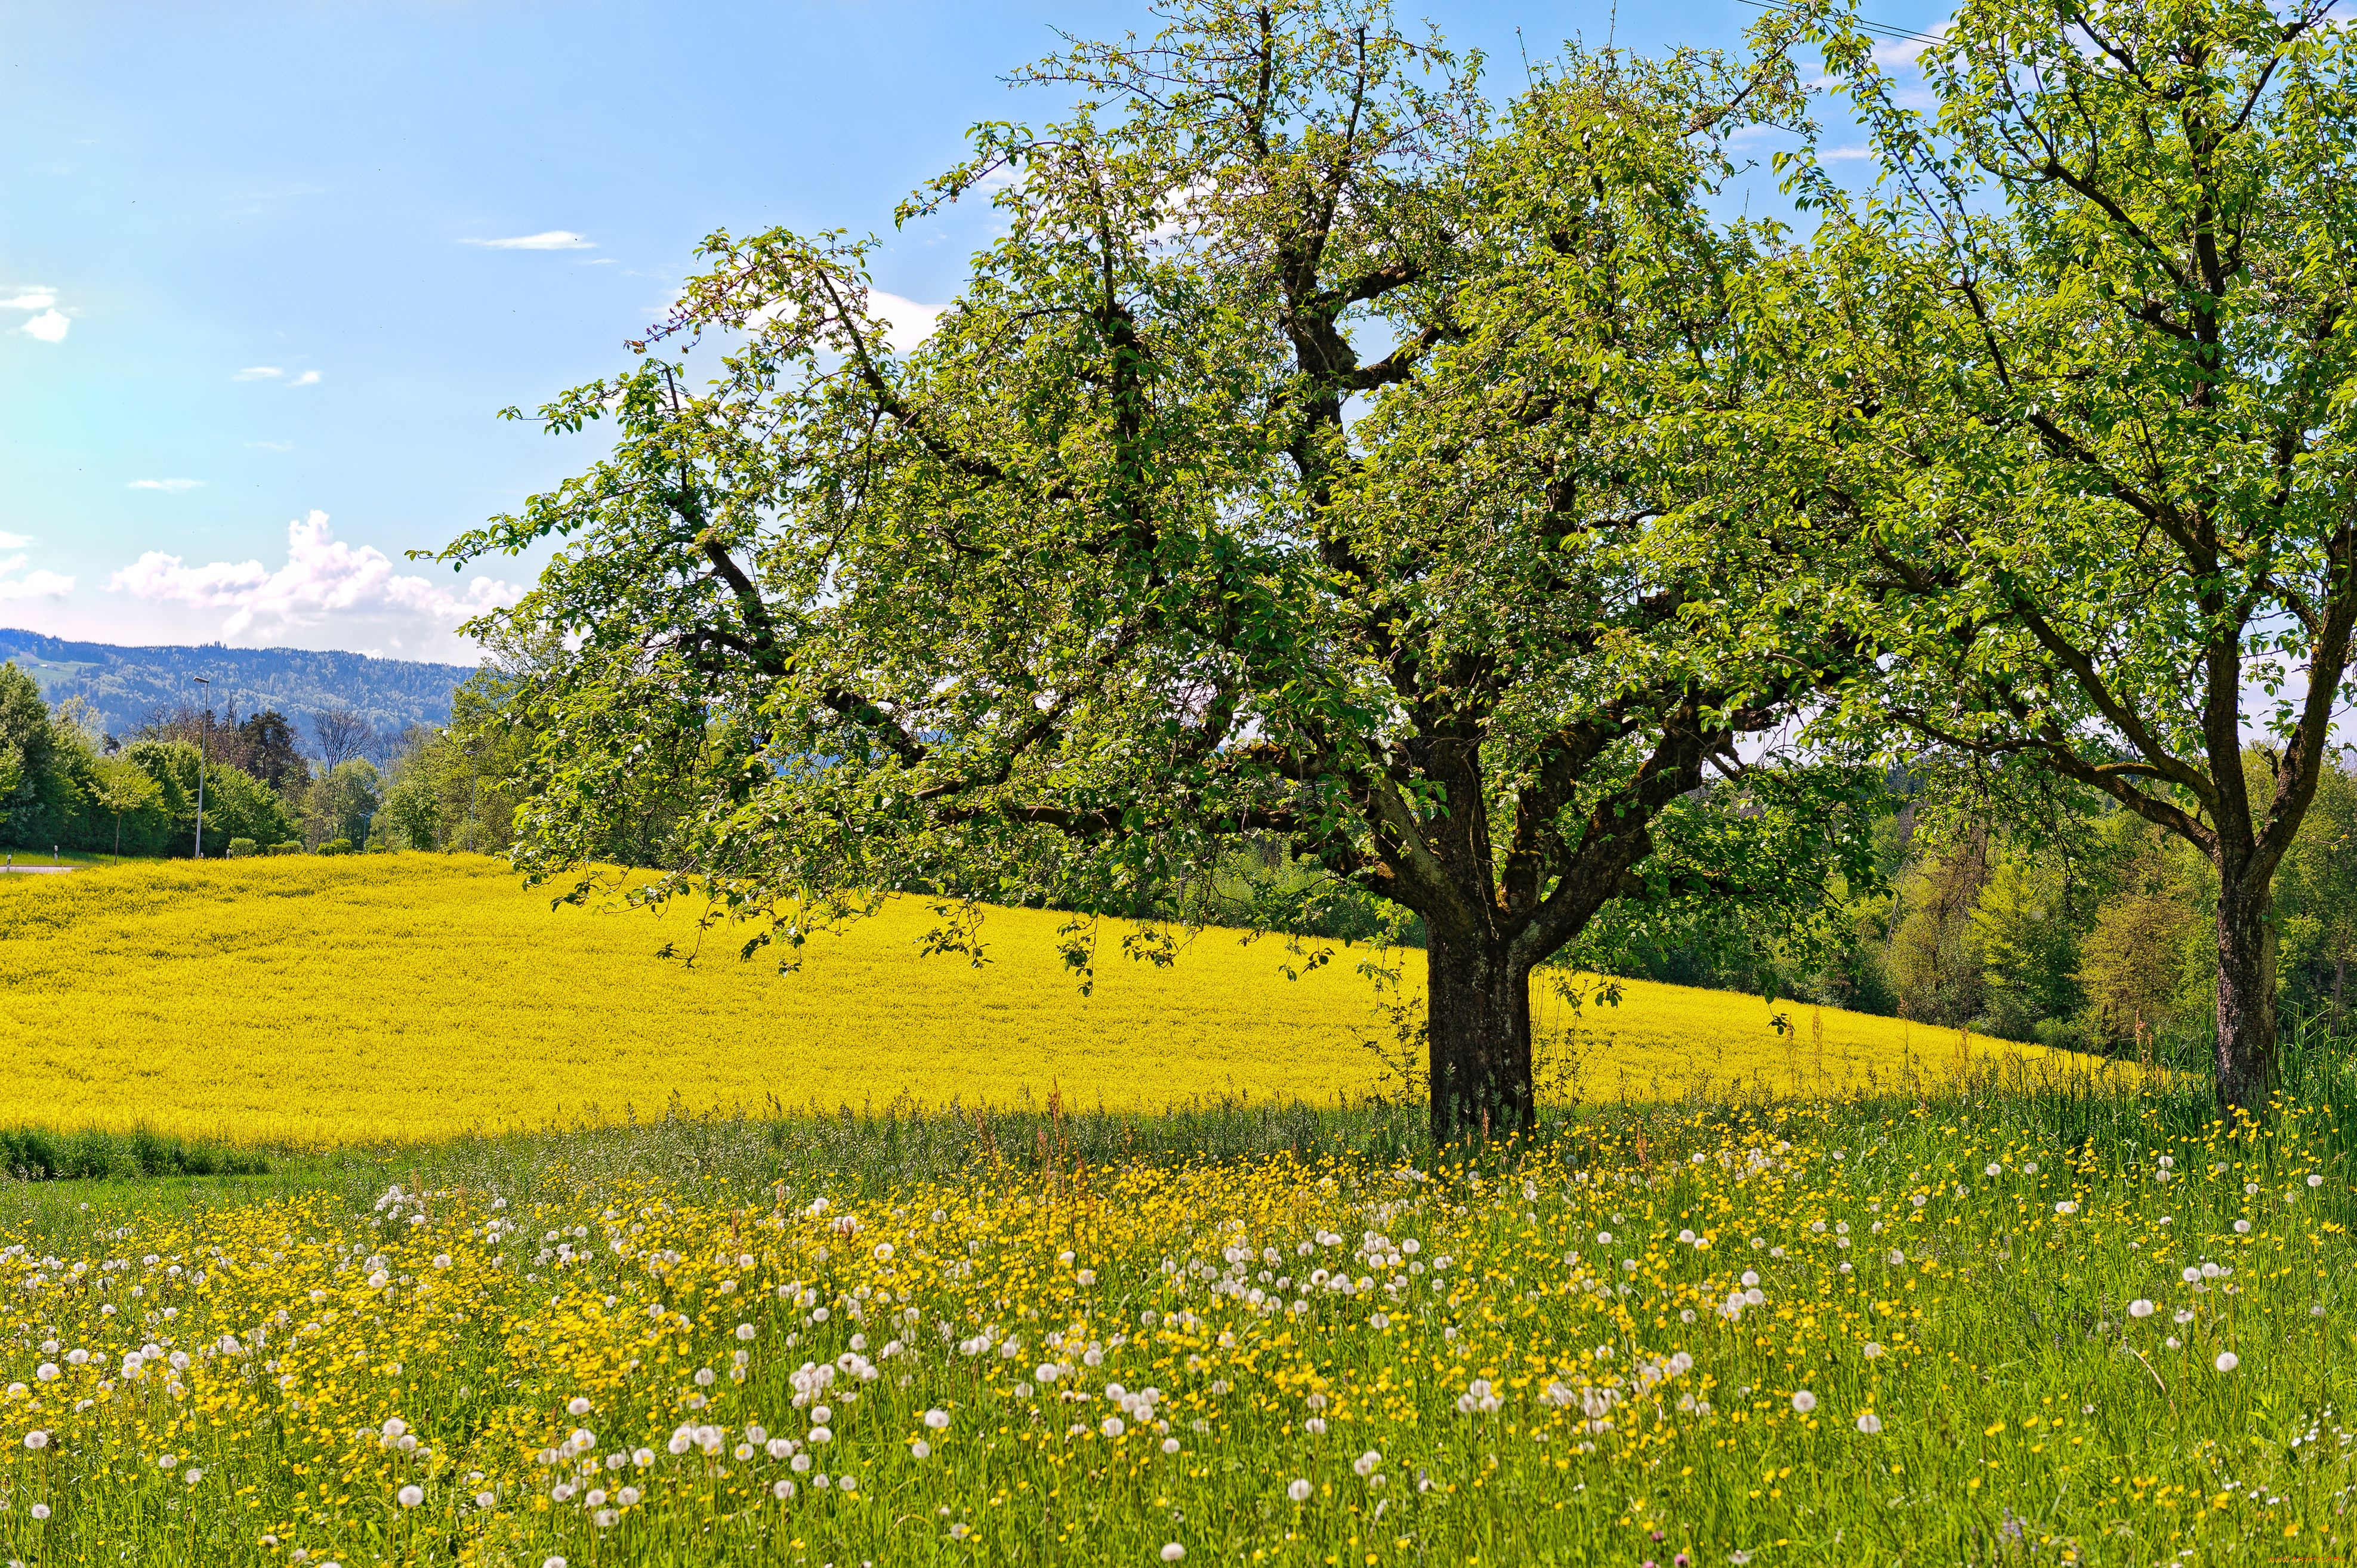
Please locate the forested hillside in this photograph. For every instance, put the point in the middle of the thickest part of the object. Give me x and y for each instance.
(126, 687)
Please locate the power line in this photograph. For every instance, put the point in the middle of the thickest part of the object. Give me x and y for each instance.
(1875, 27)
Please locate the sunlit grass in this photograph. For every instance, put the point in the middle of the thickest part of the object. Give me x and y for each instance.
(1838, 1330)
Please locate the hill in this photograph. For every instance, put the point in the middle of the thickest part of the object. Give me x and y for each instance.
(127, 685)
(409, 997)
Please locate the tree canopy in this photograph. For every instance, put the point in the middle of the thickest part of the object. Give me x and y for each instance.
(1315, 454)
(2083, 362)
(1448, 490)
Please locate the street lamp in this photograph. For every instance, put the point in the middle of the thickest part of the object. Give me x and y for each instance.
(204, 737)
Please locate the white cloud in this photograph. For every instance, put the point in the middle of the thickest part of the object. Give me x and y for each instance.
(1904, 51)
(906, 322)
(32, 585)
(175, 486)
(550, 240)
(258, 373)
(14, 541)
(1845, 155)
(911, 322)
(307, 379)
(323, 577)
(49, 323)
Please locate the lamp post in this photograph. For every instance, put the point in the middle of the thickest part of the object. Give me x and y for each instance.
(204, 739)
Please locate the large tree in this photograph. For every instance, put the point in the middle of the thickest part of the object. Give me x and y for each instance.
(1311, 457)
(2087, 359)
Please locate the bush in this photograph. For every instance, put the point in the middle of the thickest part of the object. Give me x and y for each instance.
(292, 846)
(240, 848)
(336, 846)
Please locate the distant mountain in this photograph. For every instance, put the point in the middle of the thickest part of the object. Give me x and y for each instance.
(127, 685)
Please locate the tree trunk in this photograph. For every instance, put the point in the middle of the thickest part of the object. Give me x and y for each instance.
(1479, 1028)
(2246, 994)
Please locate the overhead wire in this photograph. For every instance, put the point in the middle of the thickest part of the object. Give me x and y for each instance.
(1877, 29)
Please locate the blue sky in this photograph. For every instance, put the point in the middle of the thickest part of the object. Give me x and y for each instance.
(268, 271)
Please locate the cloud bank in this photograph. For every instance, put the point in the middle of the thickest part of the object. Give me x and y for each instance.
(323, 579)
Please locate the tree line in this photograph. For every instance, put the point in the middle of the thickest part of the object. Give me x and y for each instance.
(333, 784)
(1468, 494)
(2088, 930)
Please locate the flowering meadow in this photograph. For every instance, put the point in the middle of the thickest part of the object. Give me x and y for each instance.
(405, 992)
(1968, 1328)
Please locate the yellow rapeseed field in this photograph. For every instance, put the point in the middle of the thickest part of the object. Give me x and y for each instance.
(400, 998)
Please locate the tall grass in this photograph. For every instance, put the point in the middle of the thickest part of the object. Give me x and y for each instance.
(1549, 1375)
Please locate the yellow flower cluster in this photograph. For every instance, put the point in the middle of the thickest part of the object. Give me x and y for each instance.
(1776, 1334)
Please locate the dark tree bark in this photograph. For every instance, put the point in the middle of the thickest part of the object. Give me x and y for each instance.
(1480, 1038)
(2247, 1069)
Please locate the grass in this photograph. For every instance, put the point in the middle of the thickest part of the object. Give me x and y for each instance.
(38, 1154)
(1529, 1366)
(1021, 1333)
(307, 1002)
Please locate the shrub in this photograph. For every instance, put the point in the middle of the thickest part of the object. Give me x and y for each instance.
(240, 848)
(336, 846)
(292, 846)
